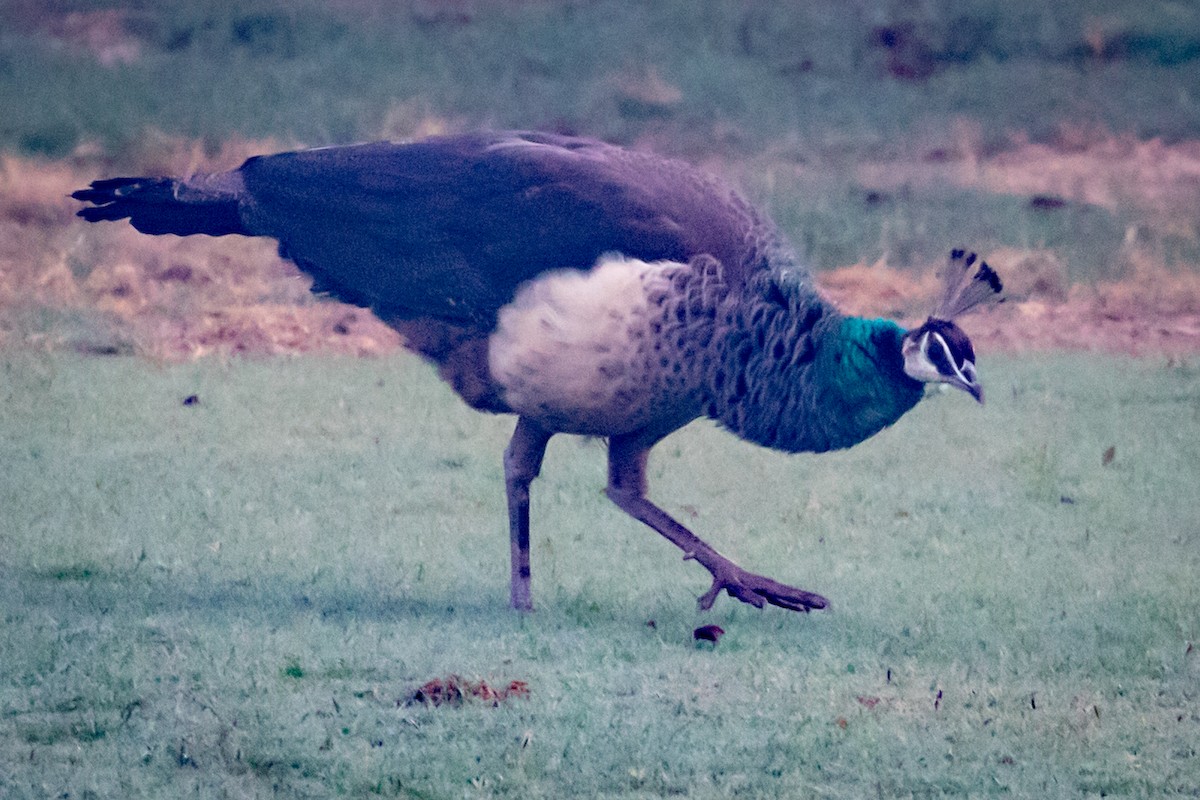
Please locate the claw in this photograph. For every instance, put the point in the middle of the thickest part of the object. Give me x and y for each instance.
(757, 591)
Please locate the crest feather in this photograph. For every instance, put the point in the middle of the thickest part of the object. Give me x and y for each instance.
(967, 283)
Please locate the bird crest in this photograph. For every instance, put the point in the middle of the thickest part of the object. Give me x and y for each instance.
(967, 284)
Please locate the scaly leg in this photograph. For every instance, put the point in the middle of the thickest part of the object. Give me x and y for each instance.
(627, 488)
(522, 463)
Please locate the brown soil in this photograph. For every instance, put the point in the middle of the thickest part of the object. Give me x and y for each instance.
(176, 299)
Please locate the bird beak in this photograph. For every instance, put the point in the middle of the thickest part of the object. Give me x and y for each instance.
(968, 382)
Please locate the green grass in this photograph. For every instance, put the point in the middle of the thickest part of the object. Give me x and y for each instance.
(229, 598)
(785, 98)
(326, 72)
(832, 221)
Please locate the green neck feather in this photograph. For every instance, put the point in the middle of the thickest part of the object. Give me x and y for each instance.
(814, 383)
(861, 371)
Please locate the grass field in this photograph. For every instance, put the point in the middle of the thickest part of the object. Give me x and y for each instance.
(789, 99)
(728, 75)
(233, 597)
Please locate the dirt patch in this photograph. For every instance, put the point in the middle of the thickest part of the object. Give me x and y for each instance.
(106, 288)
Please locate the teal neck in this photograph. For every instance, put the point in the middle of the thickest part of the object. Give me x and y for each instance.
(861, 370)
(841, 381)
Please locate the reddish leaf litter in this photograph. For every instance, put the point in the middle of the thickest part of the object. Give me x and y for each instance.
(456, 691)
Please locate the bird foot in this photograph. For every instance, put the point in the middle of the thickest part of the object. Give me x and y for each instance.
(758, 590)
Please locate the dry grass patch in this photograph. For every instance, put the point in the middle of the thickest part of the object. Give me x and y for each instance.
(106, 288)
(166, 297)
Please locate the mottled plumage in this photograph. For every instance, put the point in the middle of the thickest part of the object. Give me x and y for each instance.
(586, 288)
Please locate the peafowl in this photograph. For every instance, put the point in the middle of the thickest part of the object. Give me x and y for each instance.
(587, 289)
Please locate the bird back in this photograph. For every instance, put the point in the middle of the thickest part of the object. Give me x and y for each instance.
(449, 227)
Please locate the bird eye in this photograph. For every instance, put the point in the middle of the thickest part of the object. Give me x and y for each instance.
(939, 354)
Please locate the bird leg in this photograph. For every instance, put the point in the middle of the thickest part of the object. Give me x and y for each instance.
(627, 488)
(522, 463)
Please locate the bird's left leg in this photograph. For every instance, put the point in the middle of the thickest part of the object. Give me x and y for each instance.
(627, 488)
(522, 463)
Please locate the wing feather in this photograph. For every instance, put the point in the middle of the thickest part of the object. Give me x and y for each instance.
(450, 227)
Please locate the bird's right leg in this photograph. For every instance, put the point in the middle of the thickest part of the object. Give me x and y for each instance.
(522, 463)
(627, 488)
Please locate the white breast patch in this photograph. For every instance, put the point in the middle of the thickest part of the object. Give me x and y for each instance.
(573, 349)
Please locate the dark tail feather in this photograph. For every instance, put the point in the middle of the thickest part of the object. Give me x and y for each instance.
(161, 205)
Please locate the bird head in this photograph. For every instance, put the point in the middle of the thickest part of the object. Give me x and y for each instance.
(938, 351)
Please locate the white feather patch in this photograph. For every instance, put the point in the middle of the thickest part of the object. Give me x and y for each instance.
(571, 350)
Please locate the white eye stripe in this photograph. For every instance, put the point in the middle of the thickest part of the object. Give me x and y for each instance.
(924, 354)
(937, 337)
(964, 376)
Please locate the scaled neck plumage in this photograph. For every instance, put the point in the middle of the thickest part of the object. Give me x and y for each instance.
(793, 374)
